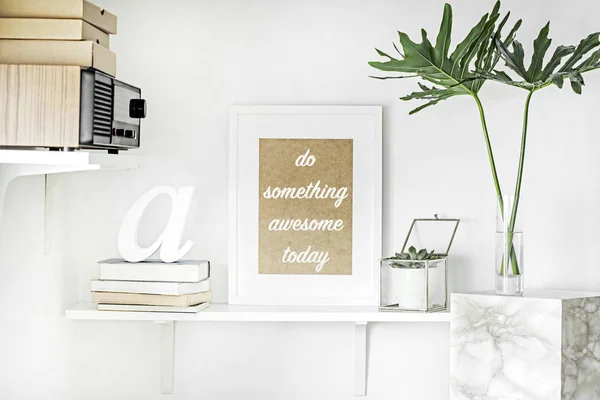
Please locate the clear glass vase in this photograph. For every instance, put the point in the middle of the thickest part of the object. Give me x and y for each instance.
(509, 247)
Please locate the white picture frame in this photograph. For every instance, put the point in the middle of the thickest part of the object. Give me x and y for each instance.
(249, 124)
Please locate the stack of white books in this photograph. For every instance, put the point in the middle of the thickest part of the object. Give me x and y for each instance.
(153, 286)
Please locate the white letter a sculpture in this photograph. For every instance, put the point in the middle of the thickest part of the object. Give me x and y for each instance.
(169, 239)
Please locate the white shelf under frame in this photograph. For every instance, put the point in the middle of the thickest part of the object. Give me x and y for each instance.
(360, 316)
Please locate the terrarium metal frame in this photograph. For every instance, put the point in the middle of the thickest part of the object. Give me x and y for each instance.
(434, 219)
(443, 258)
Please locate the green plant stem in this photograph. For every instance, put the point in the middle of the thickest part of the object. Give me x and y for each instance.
(513, 255)
(513, 214)
(489, 151)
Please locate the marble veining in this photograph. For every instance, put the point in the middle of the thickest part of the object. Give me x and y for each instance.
(519, 348)
(505, 348)
(581, 349)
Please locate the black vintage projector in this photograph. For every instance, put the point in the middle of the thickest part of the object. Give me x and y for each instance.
(66, 108)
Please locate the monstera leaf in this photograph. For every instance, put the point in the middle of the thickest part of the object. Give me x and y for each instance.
(451, 74)
(538, 76)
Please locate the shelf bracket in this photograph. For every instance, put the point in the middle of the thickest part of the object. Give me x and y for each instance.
(360, 358)
(167, 356)
(10, 172)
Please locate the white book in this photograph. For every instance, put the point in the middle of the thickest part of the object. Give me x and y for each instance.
(184, 300)
(115, 269)
(125, 307)
(166, 288)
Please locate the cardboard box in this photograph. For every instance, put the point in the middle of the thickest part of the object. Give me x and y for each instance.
(61, 9)
(58, 52)
(51, 29)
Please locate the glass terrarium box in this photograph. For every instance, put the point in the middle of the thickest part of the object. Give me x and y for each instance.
(416, 278)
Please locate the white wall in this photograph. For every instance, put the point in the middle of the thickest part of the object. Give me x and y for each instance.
(193, 60)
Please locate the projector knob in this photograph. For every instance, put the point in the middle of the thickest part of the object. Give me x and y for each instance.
(137, 108)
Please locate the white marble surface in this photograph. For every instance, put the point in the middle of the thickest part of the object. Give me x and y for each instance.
(581, 349)
(543, 294)
(543, 346)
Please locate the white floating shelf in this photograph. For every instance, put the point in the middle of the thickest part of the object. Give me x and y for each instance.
(359, 316)
(18, 163)
(228, 313)
(69, 160)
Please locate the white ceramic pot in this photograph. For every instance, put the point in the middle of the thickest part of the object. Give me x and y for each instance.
(409, 287)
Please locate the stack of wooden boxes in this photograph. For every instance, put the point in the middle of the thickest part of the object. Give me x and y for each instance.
(57, 32)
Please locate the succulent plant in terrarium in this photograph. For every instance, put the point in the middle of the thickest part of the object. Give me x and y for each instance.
(407, 260)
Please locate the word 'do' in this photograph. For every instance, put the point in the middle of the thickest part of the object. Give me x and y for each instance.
(306, 160)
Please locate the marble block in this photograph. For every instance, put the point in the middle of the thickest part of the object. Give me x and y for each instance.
(542, 346)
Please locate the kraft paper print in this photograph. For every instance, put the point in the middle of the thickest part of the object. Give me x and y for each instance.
(305, 206)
